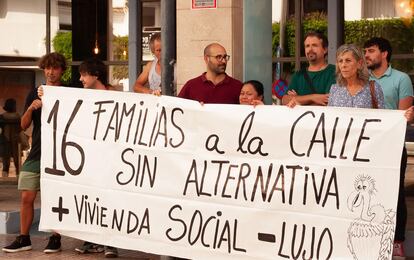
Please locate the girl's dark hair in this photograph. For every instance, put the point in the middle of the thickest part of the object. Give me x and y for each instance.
(258, 86)
(94, 67)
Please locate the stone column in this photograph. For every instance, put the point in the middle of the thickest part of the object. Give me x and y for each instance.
(198, 27)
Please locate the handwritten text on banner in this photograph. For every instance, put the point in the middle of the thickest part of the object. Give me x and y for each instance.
(171, 177)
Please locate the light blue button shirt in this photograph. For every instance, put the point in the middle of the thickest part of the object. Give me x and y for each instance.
(396, 85)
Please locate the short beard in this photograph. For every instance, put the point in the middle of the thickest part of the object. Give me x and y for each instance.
(314, 60)
(374, 66)
(219, 70)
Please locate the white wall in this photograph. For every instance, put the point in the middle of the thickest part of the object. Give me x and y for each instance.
(65, 13)
(23, 27)
(119, 18)
(120, 22)
(353, 10)
(276, 10)
(118, 3)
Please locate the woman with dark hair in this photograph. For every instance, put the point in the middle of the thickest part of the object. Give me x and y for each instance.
(251, 93)
(10, 130)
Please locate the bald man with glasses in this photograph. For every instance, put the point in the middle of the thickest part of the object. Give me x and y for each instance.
(214, 85)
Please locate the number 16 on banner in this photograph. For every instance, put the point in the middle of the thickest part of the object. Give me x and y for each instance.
(64, 146)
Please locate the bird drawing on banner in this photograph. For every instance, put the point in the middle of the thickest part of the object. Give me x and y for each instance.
(371, 235)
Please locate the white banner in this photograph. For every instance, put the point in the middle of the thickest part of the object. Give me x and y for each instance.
(171, 177)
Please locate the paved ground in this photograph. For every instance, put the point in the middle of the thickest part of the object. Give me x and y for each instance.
(39, 241)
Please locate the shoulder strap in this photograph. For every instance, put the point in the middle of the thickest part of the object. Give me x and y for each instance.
(308, 80)
(373, 96)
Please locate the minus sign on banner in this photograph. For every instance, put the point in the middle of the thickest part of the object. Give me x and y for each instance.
(266, 237)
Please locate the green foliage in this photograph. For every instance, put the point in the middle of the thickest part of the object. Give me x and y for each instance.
(62, 43)
(398, 31)
(312, 22)
(120, 46)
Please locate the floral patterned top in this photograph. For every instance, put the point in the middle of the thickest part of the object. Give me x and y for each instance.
(340, 97)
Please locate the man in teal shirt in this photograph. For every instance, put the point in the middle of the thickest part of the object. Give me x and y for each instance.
(311, 86)
(396, 85)
(398, 94)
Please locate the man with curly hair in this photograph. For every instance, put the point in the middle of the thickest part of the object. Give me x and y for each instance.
(53, 66)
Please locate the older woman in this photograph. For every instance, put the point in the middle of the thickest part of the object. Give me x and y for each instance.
(152, 70)
(251, 93)
(353, 87)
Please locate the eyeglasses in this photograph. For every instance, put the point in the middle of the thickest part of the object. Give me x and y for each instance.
(221, 57)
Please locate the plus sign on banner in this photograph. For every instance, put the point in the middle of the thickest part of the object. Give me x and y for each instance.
(172, 177)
